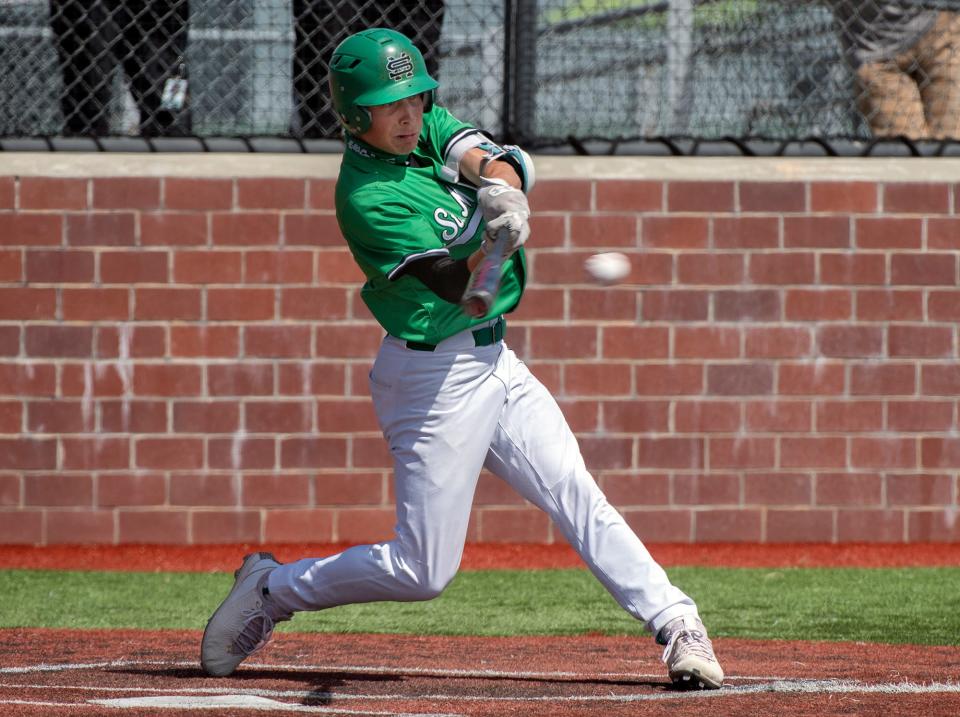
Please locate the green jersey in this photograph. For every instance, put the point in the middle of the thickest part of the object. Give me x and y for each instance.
(394, 210)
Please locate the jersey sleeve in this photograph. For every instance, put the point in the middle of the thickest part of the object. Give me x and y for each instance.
(449, 139)
(386, 236)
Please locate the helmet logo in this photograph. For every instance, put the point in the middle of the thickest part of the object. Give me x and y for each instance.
(400, 67)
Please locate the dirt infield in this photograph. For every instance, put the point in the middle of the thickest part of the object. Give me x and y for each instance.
(57, 672)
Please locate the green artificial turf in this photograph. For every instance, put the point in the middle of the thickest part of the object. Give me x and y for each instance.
(903, 605)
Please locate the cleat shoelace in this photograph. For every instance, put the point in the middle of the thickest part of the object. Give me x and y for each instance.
(689, 642)
(256, 633)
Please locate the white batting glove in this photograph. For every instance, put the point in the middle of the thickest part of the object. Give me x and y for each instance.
(504, 206)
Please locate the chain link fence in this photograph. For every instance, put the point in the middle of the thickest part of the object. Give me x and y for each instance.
(542, 72)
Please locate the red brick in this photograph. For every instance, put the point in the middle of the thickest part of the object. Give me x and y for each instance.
(604, 230)
(849, 341)
(311, 230)
(782, 268)
(624, 489)
(277, 341)
(628, 195)
(550, 230)
(635, 342)
(668, 379)
(312, 379)
(225, 527)
(916, 198)
(883, 453)
(816, 232)
(208, 341)
(920, 490)
(59, 266)
(11, 418)
(853, 269)
(943, 233)
(31, 229)
(675, 305)
(167, 380)
(742, 452)
(697, 196)
(813, 452)
(852, 197)
(113, 229)
(153, 527)
(777, 489)
(707, 416)
(711, 489)
(582, 416)
(661, 526)
(870, 526)
(739, 379)
(21, 527)
(558, 267)
(598, 379)
(602, 304)
(810, 379)
(59, 341)
(919, 415)
(818, 305)
(242, 453)
(321, 192)
(204, 490)
(940, 453)
(939, 526)
(350, 489)
(276, 490)
(706, 342)
(240, 379)
(749, 305)
(78, 379)
(677, 453)
(364, 525)
(848, 489)
(888, 233)
(278, 416)
(564, 342)
(246, 229)
(944, 306)
(746, 232)
(776, 342)
(11, 266)
(563, 195)
(133, 416)
(636, 416)
(53, 193)
(921, 341)
(603, 453)
(58, 490)
(95, 453)
(313, 452)
(711, 269)
(889, 305)
(127, 341)
(26, 304)
(348, 341)
(299, 526)
(514, 525)
(314, 304)
(773, 196)
(674, 232)
(240, 304)
(202, 194)
(727, 526)
(95, 304)
(206, 416)
(168, 304)
(172, 229)
(800, 526)
(849, 416)
(924, 269)
(278, 267)
(8, 191)
(134, 267)
(271, 193)
(208, 267)
(779, 416)
(69, 527)
(59, 417)
(169, 454)
(886, 379)
(9, 340)
(125, 489)
(126, 193)
(28, 378)
(537, 305)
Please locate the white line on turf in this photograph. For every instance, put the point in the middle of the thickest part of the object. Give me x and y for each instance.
(245, 702)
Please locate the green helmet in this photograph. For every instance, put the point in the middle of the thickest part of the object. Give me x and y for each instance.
(375, 67)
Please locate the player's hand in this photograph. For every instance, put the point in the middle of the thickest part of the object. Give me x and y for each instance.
(504, 206)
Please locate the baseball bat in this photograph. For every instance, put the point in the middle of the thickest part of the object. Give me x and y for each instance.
(485, 280)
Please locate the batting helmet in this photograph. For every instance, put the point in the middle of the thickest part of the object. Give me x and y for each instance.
(375, 67)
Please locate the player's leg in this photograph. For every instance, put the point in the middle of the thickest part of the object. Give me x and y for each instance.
(536, 452)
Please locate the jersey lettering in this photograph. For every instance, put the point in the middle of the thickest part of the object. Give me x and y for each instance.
(452, 222)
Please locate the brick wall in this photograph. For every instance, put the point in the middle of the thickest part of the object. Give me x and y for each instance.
(183, 352)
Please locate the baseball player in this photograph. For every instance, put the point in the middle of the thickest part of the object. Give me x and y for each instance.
(420, 198)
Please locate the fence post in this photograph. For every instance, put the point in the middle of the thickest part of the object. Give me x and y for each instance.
(519, 70)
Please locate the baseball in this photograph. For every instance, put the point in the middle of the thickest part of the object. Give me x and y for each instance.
(607, 268)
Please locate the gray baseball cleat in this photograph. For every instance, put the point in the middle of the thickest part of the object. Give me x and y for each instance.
(243, 624)
(689, 655)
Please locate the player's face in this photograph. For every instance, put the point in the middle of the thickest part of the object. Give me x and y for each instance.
(396, 127)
